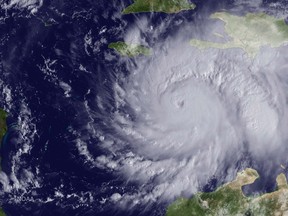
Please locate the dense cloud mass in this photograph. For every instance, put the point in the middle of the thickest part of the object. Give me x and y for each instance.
(31, 5)
(185, 113)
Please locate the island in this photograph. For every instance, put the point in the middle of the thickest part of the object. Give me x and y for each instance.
(2, 213)
(130, 50)
(3, 127)
(3, 130)
(165, 6)
(229, 200)
(249, 32)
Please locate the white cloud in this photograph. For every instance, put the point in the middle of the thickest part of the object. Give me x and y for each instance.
(194, 110)
(115, 197)
(31, 5)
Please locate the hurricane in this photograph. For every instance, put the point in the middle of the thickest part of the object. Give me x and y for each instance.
(112, 111)
(185, 115)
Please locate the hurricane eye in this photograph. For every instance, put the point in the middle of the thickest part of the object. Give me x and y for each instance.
(180, 104)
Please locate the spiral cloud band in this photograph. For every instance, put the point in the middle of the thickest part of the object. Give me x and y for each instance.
(186, 114)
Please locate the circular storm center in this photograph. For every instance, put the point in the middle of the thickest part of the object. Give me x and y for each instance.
(185, 116)
(188, 104)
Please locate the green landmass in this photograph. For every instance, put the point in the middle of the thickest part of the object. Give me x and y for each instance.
(229, 200)
(3, 130)
(3, 126)
(2, 213)
(249, 32)
(165, 6)
(130, 50)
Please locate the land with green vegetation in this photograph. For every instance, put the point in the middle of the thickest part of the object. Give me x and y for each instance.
(249, 32)
(2, 213)
(165, 6)
(3, 130)
(229, 200)
(3, 126)
(130, 50)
